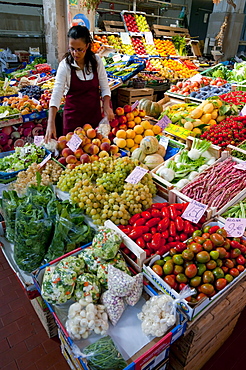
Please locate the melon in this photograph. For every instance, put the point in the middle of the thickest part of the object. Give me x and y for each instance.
(152, 109)
(138, 154)
(153, 160)
(161, 150)
(149, 145)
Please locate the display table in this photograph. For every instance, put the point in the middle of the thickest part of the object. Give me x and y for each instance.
(206, 334)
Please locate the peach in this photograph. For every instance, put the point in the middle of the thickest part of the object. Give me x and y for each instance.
(99, 136)
(123, 126)
(135, 112)
(61, 144)
(114, 122)
(85, 141)
(85, 158)
(122, 119)
(117, 155)
(119, 111)
(66, 152)
(71, 166)
(94, 157)
(121, 134)
(79, 131)
(130, 116)
(114, 149)
(78, 152)
(87, 126)
(142, 113)
(106, 140)
(62, 160)
(130, 124)
(96, 142)
(137, 120)
(93, 149)
(87, 147)
(69, 135)
(71, 159)
(61, 138)
(111, 136)
(130, 134)
(105, 146)
(91, 133)
(127, 108)
(103, 154)
(115, 130)
(78, 163)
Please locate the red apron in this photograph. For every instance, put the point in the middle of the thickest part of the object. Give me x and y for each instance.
(82, 103)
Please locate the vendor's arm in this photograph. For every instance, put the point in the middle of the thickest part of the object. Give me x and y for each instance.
(105, 90)
(62, 79)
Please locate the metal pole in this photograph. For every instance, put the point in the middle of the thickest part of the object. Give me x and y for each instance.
(134, 5)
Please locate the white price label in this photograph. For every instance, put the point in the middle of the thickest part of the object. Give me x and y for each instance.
(194, 211)
(6, 83)
(45, 161)
(136, 175)
(74, 142)
(125, 38)
(240, 166)
(164, 140)
(38, 140)
(116, 58)
(243, 111)
(235, 227)
(134, 105)
(125, 58)
(164, 122)
(149, 38)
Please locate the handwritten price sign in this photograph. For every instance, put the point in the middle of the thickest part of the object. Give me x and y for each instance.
(74, 142)
(164, 140)
(241, 166)
(45, 161)
(194, 211)
(136, 175)
(235, 227)
(134, 105)
(178, 131)
(164, 122)
(38, 140)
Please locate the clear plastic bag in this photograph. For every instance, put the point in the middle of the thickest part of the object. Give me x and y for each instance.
(9, 203)
(104, 127)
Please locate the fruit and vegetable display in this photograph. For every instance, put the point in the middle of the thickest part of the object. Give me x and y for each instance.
(138, 45)
(9, 90)
(187, 164)
(221, 182)
(100, 190)
(232, 130)
(165, 47)
(240, 154)
(24, 104)
(150, 152)
(8, 112)
(22, 158)
(115, 41)
(150, 49)
(236, 211)
(130, 22)
(234, 97)
(180, 45)
(142, 23)
(152, 109)
(189, 64)
(31, 91)
(209, 261)
(181, 71)
(124, 70)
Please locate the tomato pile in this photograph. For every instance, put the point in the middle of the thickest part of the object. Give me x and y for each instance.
(160, 228)
(210, 261)
(231, 130)
(234, 97)
(189, 86)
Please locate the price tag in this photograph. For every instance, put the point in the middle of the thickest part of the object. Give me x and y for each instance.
(178, 131)
(164, 122)
(20, 95)
(116, 58)
(125, 38)
(243, 111)
(196, 77)
(149, 38)
(136, 175)
(38, 140)
(240, 166)
(134, 105)
(235, 226)
(125, 58)
(164, 141)
(194, 211)
(74, 142)
(45, 161)
(6, 83)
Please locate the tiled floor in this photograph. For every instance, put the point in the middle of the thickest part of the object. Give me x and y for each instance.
(24, 344)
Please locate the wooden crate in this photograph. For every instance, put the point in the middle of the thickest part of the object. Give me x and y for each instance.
(128, 95)
(205, 335)
(114, 26)
(160, 30)
(45, 316)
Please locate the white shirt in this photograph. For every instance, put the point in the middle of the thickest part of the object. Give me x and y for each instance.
(63, 80)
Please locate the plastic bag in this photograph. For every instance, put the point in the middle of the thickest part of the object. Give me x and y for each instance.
(102, 270)
(32, 234)
(119, 283)
(9, 203)
(104, 127)
(106, 243)
(103, 355)
(87, 288)
(136, 291)
(114, 306)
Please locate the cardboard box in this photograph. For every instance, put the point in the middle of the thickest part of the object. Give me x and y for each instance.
(45, 316)
(190, 311)
(23, 55)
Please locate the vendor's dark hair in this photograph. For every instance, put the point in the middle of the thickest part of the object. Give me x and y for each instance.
(81, 32)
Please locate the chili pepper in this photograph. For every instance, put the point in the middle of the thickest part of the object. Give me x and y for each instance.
(138, 231)
(165, 234)
(165, 212)
(134, 218)
(163, 224)
(153, 221)
(147, 237)
(179, 223)
(146, 215)
(173, 212)
(153, 230)
(172, 229)
(159, 205)
(170, 239)
(140, 222)
(156, 241)
(140, 242)
(156, 213)
(187, 227)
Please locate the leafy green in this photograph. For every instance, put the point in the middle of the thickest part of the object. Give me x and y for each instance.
(180, 45)
(9, 202)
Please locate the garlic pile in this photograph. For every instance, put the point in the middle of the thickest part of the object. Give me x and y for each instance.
(85, 317)
(156, 315)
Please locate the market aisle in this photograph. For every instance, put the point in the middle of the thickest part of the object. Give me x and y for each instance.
(24, 344)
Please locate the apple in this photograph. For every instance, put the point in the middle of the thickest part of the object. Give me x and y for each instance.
(66, 152)
(85, 158)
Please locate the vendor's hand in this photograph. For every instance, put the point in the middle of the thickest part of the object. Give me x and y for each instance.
(109, 113)
(50, 133)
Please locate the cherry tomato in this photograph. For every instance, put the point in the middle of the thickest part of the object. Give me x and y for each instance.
(217, 239)
(157, 269)
(170, 281)
(234, 272)
(220, 283)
